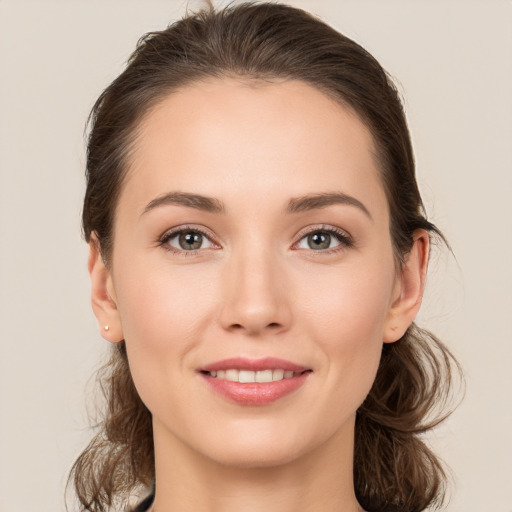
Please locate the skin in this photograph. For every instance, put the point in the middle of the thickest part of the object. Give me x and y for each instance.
(255, 288)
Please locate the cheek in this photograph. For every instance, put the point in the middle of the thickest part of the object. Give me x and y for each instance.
(163, 315)
(346, 320)
(157, 303)
(350, 304)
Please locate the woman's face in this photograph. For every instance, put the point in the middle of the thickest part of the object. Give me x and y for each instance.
(253, 224)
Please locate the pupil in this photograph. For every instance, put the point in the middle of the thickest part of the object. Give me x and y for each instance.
(191, 240)
(319, 241)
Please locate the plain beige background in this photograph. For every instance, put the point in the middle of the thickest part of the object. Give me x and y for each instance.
(453, 60)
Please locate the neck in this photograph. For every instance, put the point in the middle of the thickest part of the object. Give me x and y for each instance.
(320, 480)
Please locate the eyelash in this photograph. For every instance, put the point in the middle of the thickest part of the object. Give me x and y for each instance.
(163, 241)
(344, 239)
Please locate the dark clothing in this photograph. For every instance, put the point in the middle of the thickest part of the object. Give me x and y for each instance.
(144, 505)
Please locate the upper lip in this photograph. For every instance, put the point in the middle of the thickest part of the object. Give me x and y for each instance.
(243, 363)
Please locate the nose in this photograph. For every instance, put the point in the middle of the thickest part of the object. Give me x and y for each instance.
(255, 297)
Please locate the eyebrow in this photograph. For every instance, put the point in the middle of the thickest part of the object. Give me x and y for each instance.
(295, 205)
(317, 201)
(197, 201)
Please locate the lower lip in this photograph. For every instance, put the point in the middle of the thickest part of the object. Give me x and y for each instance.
(255, 393)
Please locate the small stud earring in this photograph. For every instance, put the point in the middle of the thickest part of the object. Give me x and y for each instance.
(106, 327)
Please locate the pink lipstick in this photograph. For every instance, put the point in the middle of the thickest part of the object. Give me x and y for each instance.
(254, 381)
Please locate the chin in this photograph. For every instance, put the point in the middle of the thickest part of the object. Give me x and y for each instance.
(260, 448)
(255, 457)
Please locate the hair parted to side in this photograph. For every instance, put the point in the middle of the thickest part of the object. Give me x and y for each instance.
(394, 469)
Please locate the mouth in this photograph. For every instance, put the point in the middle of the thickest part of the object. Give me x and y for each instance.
(254, 381)
(248, 376)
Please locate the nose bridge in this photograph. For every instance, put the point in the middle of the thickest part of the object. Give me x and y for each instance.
(254, 294)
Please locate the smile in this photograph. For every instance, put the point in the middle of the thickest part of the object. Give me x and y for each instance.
(254, 381)
(247, 376)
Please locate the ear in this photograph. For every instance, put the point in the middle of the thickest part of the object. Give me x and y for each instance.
(103, 295)
(409, 287)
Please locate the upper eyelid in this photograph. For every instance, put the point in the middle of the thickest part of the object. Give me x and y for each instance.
(344, 238)
(323, 227)
(163, 240)
(172, 232)
(303, 231)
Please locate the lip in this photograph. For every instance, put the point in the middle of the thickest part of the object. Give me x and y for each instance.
(243, 363)
(254, 393)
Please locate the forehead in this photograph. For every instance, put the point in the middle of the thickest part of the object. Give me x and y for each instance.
(223, 137)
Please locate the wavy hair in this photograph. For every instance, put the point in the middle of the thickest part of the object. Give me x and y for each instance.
(394, 470)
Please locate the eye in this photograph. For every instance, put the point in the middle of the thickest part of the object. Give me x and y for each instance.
(187, 239)
(325, 239)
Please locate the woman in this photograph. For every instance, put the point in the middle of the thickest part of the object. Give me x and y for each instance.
(258, 252)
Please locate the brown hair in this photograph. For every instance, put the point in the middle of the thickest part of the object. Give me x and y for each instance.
(394, 470)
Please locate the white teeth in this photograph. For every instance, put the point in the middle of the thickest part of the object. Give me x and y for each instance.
(264, 376)
(232, 375)
(277, 374)
(246, 376)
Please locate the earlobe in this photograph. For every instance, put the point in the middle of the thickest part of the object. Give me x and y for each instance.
(103, 295)
(409, 289)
